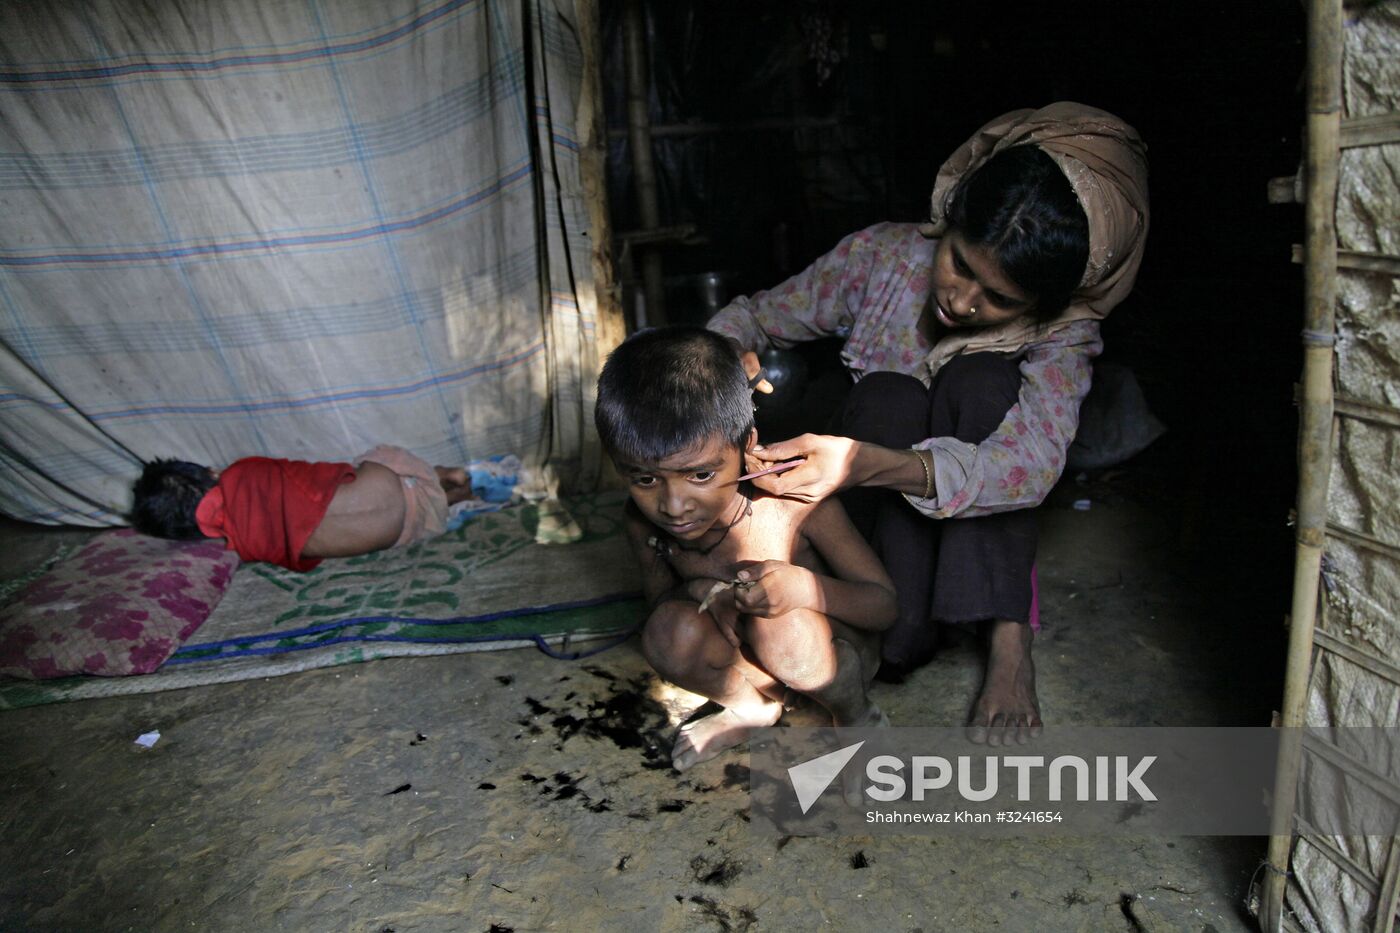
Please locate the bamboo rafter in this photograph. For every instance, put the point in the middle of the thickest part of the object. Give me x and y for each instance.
(1376, 130)
(1362, 540)
(1349, 406)
(1369, 660)
(1360, 261)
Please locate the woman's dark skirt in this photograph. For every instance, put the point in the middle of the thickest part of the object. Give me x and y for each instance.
(954, 570)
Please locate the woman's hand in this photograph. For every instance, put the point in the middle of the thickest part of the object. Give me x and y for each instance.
(829, 467)
(773, 588)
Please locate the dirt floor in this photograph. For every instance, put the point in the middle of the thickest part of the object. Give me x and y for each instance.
(509, 791)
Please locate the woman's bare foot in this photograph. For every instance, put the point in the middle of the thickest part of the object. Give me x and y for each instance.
(1007, 710)
(705, 738)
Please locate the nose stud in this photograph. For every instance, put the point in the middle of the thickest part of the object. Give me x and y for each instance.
(972, 311)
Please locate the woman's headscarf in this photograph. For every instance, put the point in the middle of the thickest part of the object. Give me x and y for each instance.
(1106, 163)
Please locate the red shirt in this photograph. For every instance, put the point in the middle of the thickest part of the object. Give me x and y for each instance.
(267, 508)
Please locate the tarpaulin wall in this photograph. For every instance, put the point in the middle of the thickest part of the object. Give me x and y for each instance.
(290, 229)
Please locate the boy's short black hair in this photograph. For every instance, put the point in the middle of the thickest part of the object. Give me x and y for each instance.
(1020, 204)
(165, 497)
(669, 388)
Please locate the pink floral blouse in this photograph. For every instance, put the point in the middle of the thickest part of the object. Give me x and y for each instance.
(871, 290)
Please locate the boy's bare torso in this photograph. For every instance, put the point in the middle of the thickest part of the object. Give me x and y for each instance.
(772, 532)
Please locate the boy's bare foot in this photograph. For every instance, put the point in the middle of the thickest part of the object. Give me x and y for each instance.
(1007, 710)
(853, 778)
(849, 704)
(705, 738)
(872, 718)
(845, 697)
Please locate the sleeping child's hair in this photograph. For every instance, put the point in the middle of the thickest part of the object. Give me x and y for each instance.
(164, 499)
(666, 389)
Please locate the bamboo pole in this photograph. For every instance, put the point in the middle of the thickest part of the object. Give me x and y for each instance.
(1315, 424)
(639, 141)
(593, 158)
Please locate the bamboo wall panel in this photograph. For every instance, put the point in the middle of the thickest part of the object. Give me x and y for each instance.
(1350, 883)
(1366, 483)
(1322, 888)
(1368, 335)
(1364, 183)
(1338, 680)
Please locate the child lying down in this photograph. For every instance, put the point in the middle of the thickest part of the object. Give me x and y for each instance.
(294, 513)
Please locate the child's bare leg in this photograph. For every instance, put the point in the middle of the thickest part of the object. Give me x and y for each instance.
(824, 659)
(1007, 710)
(687, 649)
(828, 661)
(456, 482)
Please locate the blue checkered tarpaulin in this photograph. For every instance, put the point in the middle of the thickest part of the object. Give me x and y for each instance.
(281, 228)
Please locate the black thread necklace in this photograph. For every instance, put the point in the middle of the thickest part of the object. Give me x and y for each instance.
(664, 547)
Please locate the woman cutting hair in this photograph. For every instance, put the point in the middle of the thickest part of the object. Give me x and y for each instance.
(970, 340)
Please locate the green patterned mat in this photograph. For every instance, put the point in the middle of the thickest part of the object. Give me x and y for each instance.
(490, 584)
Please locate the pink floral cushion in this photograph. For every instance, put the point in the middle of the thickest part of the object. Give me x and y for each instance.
(121, 605)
